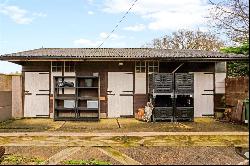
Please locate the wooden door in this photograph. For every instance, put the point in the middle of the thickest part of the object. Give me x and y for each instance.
(203, 94)
(120, 94)
(36, 101)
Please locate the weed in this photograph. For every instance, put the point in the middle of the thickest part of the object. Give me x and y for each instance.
(16, 159)
(88, 162)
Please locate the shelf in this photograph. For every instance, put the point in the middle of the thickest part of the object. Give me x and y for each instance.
(87, 109)
(88, 98)
(86, 77)
(87, 87)
(64, 109)
(65, 87)
(65, 98)
(83, 90)
(65, 76)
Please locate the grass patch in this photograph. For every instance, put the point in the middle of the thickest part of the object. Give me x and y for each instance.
(86, 162)
(17, 160)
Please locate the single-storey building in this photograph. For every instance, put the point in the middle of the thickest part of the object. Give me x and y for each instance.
(117, 78)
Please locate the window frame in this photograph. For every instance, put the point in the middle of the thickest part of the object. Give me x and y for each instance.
(155, 64)
(142, 64)
(70, 65)
(57, 65)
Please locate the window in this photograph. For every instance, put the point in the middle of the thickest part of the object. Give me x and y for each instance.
(69, 66)
(140, 67)
(57, 66)
(153, 67)
(220, 67)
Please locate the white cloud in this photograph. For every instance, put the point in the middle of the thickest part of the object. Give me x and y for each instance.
(86, 43)
(163, 14)
(18, 15)
(113, 36)
(114, 40)
(91, 12)
(139, 27)
(40, 14)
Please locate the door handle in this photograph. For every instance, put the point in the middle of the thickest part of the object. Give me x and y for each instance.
(26, 93)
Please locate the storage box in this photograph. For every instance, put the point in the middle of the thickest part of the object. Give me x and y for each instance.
(92, 103)
(88, 82)
(69, 103)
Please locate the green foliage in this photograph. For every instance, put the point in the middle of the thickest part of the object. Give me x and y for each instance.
(17, 159)
(84, 162)
(243, 49)
(235, 69)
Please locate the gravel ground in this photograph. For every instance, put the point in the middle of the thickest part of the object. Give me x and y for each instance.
(90, 153)
(144, 155)
(29, 151)
(183, 155)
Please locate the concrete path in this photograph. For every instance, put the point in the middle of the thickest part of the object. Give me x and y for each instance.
(134, 134)
(239, 139)
(118, 156)
(60, 156)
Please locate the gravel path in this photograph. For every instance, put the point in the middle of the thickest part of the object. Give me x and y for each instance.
(183, 155)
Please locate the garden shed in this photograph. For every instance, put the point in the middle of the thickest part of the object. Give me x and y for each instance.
(93, 83)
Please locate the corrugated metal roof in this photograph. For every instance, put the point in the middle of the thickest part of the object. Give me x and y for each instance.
(118, 53)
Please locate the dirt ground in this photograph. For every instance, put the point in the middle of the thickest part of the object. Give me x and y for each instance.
(144, 155)
(111, 125)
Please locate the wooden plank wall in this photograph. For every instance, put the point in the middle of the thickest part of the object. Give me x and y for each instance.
(5, 97)
(88, 68)
(5, 82)
(5, 105)
(17, 111)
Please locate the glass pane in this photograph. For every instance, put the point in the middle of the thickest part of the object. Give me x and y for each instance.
(155, 69)
(138, 63)
(220, 67)
(137, 69)
(54, 69)
(67, 69)
(143, 64)
(143, 69)
(72, 68)
(150, 63)
(150, 69)
(59, 68)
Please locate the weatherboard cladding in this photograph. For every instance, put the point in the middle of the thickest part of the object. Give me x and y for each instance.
(118, 53)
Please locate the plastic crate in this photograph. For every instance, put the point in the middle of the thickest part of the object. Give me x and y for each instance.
(162, 113)
(184, 83)
(161, 83)
(184, 113)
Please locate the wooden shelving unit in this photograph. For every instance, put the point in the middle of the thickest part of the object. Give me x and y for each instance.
(80, 102)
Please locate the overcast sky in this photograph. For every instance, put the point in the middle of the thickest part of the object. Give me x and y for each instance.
(31, 24)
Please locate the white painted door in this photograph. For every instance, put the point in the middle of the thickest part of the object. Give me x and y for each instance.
(203, 94)
(120, 94)
(36, 101)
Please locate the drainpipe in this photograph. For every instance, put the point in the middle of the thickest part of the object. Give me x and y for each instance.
(173, 101)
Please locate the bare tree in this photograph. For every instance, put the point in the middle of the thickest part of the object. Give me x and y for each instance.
(232, 18)
(186, 39)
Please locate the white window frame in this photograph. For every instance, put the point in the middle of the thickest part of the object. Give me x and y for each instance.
(57, 66)
(142, 64)
(153, 66)
(70, 65)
